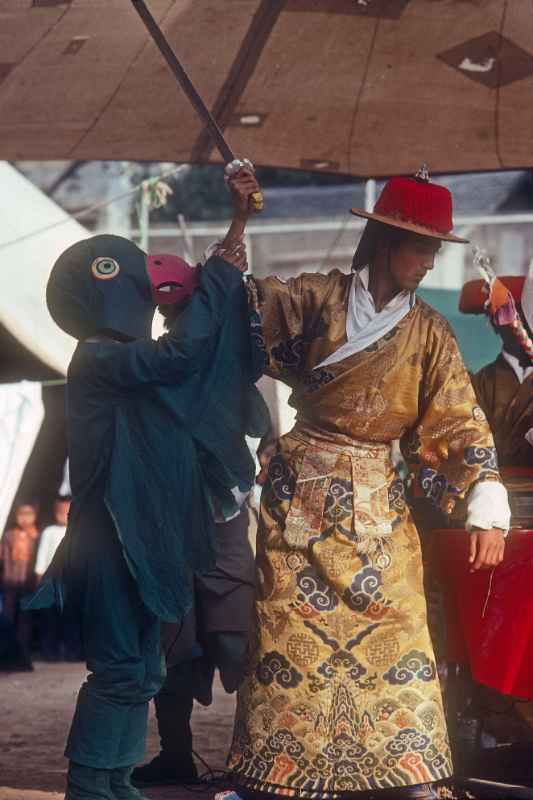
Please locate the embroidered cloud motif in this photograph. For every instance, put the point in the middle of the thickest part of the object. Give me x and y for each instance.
(414, 665)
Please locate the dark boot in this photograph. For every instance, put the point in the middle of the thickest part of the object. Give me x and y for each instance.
(121, 786)
(87, 783)
(163, 772)
(173, 706)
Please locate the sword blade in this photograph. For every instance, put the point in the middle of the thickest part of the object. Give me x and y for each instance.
(184, 81)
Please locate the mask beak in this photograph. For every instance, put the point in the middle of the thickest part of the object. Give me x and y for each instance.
(172, 279)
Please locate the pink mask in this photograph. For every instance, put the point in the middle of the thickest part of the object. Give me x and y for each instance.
(172, 279)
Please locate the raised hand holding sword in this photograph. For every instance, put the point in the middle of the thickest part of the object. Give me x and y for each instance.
(234, 166)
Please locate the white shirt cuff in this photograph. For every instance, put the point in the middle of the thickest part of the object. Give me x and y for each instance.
(529, 436)
(488, 507)
(208, 252)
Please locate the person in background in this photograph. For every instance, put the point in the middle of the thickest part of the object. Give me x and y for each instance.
(265, 452)
(18, 549)
(11, 658)
(58, 634)
(504, 388)
(214, 634)
(52, 536)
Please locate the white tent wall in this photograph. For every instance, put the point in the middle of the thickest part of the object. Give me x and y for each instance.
(26, 258)
(21, 416)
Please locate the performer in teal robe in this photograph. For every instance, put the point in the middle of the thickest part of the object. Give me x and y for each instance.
(156, 442)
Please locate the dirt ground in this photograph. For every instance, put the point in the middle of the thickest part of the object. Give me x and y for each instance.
(35, 713)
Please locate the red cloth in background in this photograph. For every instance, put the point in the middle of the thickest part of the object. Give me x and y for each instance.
(497, 645)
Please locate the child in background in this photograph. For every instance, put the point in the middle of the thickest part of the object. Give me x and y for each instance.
(59, 635)
(18, 549)
(52, 536)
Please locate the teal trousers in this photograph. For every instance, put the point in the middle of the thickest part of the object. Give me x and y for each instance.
(121, 638)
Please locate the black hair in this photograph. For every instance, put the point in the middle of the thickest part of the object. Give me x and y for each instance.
(25, 501)
(17, 505)
(374, 233)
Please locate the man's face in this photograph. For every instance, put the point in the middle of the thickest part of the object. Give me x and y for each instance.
(411, 259)
(26, 516)
(61, 511)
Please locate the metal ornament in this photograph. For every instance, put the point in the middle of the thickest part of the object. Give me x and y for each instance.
(500, 306)
(423, 174)
(235, 166)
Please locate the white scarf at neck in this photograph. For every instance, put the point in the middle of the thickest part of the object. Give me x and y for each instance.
(365, 325)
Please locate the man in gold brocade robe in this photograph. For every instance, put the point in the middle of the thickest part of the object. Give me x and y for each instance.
(341, 695)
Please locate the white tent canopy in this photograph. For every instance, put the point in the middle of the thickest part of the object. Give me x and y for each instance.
(26, 261)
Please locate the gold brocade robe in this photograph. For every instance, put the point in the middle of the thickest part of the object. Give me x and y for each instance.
(508, 405)
(341, 692)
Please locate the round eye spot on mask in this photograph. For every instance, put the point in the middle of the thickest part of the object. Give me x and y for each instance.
(105, 268)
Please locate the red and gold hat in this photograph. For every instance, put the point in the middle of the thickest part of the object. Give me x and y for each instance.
(417, 205)
(507, 300)
(474, 294)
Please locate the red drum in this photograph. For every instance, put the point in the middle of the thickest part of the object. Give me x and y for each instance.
(489, 614)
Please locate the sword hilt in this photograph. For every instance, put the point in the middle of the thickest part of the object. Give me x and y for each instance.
(257, 202)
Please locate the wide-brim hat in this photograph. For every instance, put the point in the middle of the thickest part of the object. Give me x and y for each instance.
(474, 294)
(416, 205)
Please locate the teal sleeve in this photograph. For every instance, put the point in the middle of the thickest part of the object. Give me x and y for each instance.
(189, 344)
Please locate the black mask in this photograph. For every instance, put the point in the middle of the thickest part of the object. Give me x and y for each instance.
(101, 285)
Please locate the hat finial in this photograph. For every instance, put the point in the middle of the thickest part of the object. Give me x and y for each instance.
(423, 173)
